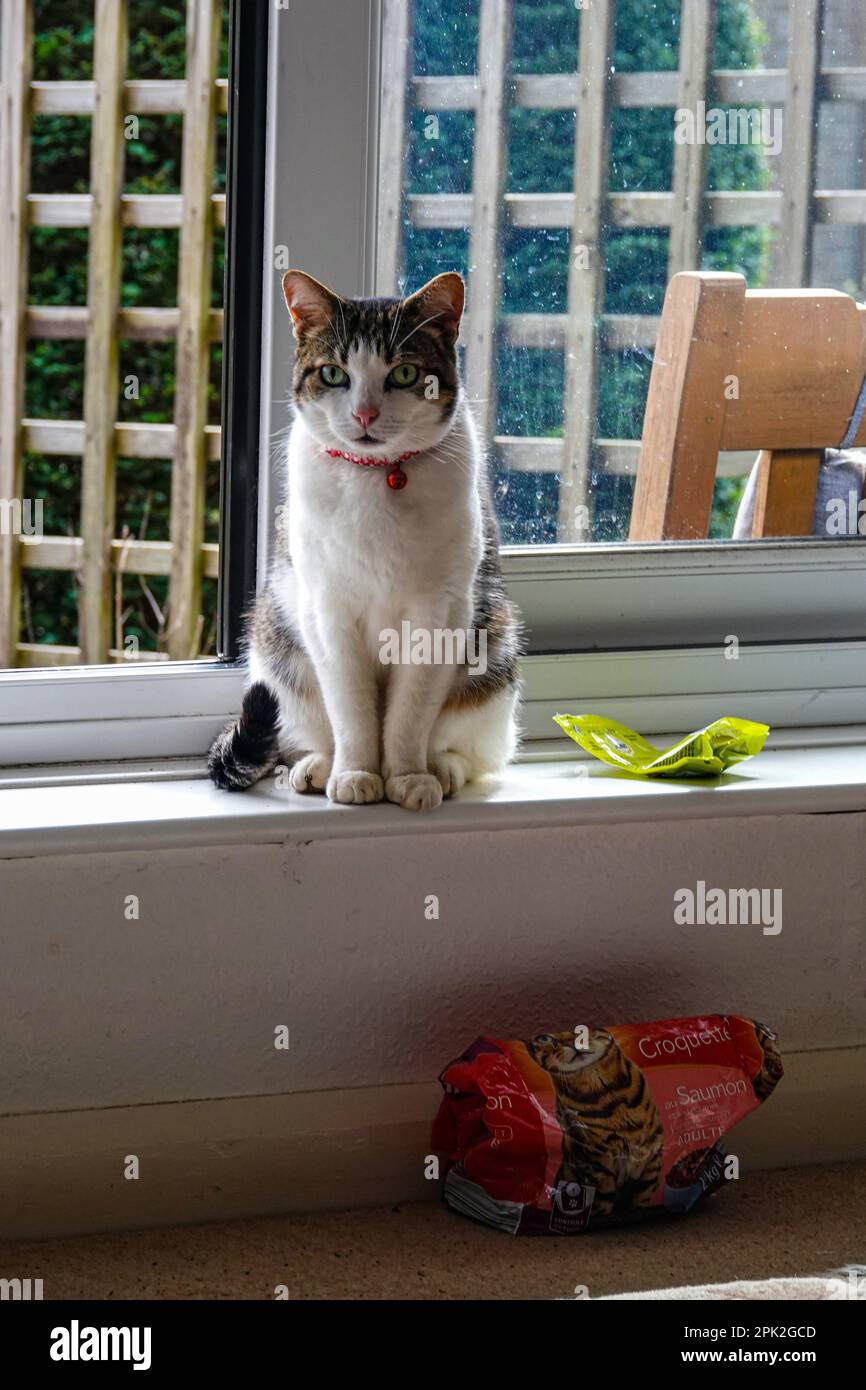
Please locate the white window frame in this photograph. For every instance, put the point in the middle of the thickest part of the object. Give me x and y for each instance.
(636, 631)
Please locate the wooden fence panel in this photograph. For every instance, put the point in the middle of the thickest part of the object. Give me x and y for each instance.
(101, 379)
(193, 337)
(16, 59)
(136, 209)
(753, 208)
(799, 138)
(149, 97)
(640, 90)
(586, 278)
(393, 136)
(697, 33)
(489, 168)
(135, 325)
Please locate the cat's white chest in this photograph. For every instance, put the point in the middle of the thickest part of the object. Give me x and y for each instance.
(372, 550)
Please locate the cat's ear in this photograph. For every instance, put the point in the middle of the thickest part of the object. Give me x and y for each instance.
(310, 303)
(441, 302)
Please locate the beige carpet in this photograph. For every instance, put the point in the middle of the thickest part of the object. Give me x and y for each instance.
(792, 1222)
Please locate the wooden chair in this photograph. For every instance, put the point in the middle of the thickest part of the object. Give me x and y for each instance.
(780, 371)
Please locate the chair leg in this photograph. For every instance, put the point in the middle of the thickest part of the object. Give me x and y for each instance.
(785, 493)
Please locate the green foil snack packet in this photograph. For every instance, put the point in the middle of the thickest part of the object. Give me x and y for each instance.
(705, 753)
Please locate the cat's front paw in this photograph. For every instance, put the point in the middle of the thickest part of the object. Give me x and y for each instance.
(310, 773)
(452, 771)
(355, 788)
(415, 791)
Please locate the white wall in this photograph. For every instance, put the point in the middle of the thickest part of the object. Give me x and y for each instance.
(536, 929)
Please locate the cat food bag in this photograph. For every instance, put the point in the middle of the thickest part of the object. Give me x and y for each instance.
(705, 753)
(552, 1134)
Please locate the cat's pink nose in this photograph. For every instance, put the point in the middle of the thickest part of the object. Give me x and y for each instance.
(365, 417)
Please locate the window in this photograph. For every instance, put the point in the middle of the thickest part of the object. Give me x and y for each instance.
(120, 348)
(454, 135)
(795, 606)
(169, 131)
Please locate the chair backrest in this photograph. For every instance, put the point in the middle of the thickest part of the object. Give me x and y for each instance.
(778, 371)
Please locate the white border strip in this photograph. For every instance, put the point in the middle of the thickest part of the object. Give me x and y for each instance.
(175, 710)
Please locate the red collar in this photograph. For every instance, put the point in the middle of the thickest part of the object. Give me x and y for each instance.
(370, 462)
(395, 479)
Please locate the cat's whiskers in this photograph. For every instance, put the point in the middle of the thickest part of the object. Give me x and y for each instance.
(450, 453)
(342, 319)
(430, 319)
(331, 344)
(451, 456)
(398, 319)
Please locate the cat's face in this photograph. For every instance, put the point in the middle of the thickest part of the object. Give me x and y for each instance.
(375, 377)
(558, 1054)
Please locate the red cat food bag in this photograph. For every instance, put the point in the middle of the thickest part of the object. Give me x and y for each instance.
(550, 1135)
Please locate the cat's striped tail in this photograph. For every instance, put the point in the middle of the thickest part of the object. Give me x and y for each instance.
(247, 748)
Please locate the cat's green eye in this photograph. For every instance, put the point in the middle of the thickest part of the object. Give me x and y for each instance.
(406, 374)
(333, 375)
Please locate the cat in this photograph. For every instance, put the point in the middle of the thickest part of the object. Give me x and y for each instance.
(390, 523)
(612, 1133)
(771, 1071)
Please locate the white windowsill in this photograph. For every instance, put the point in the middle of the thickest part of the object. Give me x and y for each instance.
(154, 810)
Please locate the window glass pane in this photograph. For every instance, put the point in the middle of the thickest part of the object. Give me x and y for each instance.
(50, 518)
(584, 249)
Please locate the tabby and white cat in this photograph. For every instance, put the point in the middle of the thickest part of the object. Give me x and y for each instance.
(390, 522)
(612, 1132)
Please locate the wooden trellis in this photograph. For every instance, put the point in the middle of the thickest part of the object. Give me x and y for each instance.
(96, 556)
(593, 91)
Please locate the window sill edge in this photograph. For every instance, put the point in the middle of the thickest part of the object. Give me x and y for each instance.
(164, 811)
